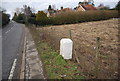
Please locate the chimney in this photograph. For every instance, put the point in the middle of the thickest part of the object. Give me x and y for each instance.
(85, 2)
(61, 7)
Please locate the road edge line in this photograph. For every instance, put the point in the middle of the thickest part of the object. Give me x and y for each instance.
(12, 69)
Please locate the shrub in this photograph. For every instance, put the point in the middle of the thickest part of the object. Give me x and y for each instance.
(40, 15)
(20, 18)
(31, 20)
(77, 17)
(5, 18)
(41, 18)
(70, 17)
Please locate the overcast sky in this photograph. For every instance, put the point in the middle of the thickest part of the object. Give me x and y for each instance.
(10, 6)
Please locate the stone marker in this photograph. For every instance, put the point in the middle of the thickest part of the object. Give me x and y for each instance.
(66, 46)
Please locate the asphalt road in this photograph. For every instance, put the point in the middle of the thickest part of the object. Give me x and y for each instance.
(12, 46)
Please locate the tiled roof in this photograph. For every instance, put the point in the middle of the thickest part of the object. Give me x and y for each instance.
(66, 9)
(89, 7)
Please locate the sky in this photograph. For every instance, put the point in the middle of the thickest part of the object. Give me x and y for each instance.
(11, 5)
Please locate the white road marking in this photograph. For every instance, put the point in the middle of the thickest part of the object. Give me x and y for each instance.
(12, 70)
(9, 30)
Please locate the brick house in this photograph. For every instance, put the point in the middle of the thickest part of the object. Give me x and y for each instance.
(54, 12)
(85, 7)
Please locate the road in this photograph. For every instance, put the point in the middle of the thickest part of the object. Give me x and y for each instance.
(12, 46)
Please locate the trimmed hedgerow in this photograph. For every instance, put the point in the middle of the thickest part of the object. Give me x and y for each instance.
(77, 17)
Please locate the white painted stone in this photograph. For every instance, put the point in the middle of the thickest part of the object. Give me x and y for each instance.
(66, 46)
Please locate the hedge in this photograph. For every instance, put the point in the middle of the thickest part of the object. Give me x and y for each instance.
(77, 17)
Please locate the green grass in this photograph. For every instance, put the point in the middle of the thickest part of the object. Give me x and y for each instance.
(55, 66)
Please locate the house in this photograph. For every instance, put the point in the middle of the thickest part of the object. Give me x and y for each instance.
(51, 12)
(63, 10)
(80, 8)
(54, 12)
(84, 6)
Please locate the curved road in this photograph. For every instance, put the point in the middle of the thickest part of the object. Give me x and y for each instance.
(12, 46)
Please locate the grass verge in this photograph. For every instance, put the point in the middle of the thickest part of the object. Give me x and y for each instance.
(56, 67)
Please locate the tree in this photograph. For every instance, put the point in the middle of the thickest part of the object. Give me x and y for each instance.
(105, 8)
(18, 11)
(41, 18)
(20, 18)
(5, 18)
(40, 15)
(2, 10)
(87, 2)
(32, 19)
(118, 6)
(91, 2)
(15, 16)
(27, 12)
(50, 7)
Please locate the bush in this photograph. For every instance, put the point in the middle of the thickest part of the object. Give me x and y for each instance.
(20, 18)
(70, 17)
(5, 18)
(42, 18)
(32, 20)
(76, 17)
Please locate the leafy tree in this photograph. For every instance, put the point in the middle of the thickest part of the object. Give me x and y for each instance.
(40, 15)
(32, 19)
(20, 18)
(42, 18)
(5, 18)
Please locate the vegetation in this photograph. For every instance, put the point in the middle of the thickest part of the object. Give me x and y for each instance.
(89, 2)
(20, 18)
(78, 17)
(41, 18)
(23, 15)
(105, 8)
(70, 17)
(67, 17)
(5, 18)
(118, 6)
(56, 67)
(32, 19)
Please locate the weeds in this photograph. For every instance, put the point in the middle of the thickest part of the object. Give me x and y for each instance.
(55, 66)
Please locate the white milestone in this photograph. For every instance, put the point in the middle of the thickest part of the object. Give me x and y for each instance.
(66, 46)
